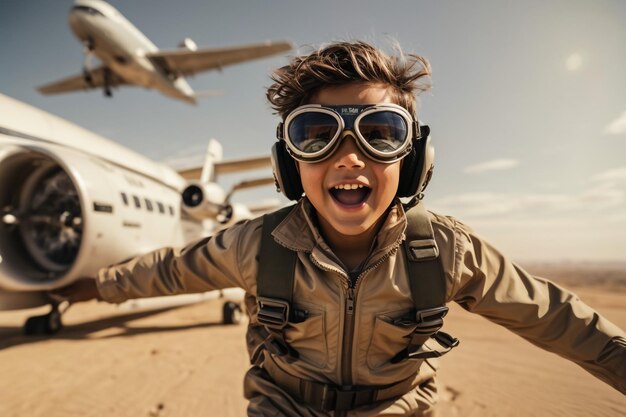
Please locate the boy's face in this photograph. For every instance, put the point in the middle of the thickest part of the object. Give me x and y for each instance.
(350, 212)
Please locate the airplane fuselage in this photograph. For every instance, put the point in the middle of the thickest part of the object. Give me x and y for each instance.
(122, 48)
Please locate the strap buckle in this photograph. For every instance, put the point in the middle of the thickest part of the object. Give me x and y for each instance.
(343, 398)
(431, 318)
(423, 250)
(446, 344)
(273, 313)
(446, 340)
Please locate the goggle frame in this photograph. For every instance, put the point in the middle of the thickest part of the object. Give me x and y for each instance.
(412, 126)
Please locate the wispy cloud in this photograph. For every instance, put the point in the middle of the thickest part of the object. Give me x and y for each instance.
(612, 175)
(606, 193)
(574, 62)
(499, 204)
(192, 156)
(493, 165)
(617, 126)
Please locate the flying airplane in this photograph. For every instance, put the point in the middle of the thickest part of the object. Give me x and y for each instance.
(72, 202)
(130, 58)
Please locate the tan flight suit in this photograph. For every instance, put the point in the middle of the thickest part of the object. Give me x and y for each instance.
(479, 278)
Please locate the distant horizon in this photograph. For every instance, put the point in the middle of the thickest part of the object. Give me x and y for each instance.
(588, 264)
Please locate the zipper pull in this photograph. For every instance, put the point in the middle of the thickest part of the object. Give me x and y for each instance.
(350, 302)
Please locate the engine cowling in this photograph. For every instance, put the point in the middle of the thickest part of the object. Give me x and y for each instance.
(203, 200)
(231, 214)
(206, 201)
(57, 219)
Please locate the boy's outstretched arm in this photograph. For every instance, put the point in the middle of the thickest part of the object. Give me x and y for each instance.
(226, 259)
(83, 289)
(540, 311)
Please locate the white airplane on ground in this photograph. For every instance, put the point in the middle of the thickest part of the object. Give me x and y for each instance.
(130, 58)
(72, 202)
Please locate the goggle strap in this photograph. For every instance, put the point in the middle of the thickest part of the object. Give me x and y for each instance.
(417, 129)
(279, 131)
(424, 131)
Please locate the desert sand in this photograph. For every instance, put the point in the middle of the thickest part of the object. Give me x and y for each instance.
(182, 362)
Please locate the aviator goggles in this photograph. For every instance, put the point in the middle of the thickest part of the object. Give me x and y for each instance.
(383, 132)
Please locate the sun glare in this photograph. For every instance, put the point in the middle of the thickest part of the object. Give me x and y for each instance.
(574, 62)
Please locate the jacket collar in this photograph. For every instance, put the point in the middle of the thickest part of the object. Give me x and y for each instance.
(299, 231)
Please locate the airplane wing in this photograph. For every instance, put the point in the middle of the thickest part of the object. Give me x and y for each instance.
(98, 77)
(228, 167)
(187, 62)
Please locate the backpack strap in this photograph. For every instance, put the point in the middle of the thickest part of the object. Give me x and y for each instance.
(275, 286)
(428, 287)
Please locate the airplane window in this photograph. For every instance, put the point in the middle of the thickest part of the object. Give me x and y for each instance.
(148, 204)
(137, 201)
(124, 198)
(161, 207)
(171, 210)
(90, 10)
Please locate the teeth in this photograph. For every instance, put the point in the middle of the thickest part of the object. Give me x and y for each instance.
(348, 186)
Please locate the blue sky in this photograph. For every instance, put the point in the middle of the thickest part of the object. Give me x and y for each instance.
(528, 109)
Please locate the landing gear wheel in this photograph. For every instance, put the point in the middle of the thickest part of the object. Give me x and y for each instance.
(48, 324)
(231, 313)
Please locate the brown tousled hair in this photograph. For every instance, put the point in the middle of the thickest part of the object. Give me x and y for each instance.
(345, 63)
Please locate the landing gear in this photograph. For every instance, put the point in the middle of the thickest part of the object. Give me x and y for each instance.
(87, 63)
(45, 325)
(231, 313)
(107, 83)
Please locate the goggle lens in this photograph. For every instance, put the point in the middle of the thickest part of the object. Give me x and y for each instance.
(384, 131)
(311, 132)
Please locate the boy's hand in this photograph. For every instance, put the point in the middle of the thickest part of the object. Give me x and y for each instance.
(84, 289)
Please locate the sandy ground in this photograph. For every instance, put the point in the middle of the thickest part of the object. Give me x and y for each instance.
(182, 362)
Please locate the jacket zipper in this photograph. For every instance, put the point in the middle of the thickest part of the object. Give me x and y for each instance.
(348, 333)
(347, 340)
(348, 328)
(349, 319)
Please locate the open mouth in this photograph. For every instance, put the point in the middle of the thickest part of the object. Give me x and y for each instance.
(350, 194)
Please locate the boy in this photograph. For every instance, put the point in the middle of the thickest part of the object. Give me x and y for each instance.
(346, 342)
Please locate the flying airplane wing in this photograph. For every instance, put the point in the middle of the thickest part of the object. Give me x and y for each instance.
(189, 62)
(97, 77)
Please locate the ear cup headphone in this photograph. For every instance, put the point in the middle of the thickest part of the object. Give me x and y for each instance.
(416, 171)
(417, 166)
(286, 173)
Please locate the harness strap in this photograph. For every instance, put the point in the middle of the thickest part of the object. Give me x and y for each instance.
(428, 284)
(428, 287)
(330, 397)
(275, 279)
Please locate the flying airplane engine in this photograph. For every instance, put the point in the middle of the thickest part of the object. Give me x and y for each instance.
(57, 221)
(188, 44)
